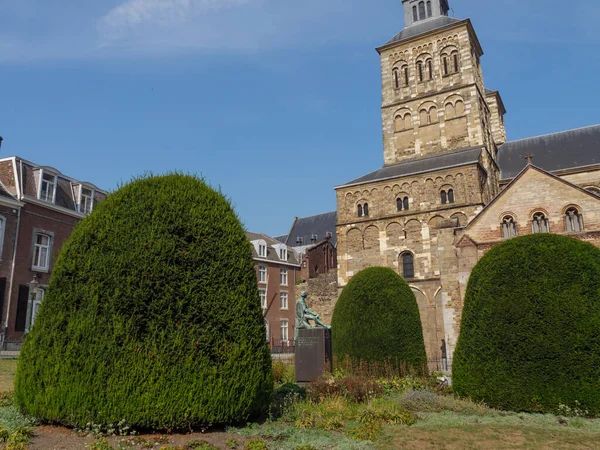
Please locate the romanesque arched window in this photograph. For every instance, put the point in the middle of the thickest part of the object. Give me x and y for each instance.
(421, 10)
(360, 211)
(451, 196)
(420, 70)
(539, 223)
(396, 78)
(408, 265)
(509, 227)
(429, 64)
(450, 61)
(366, 209)
(429, 10)
(428, 116)
(455, 63)
(447, 196)
(573, 221)
(444, 196)
(415, 14)
(405, 74)
(402, 204)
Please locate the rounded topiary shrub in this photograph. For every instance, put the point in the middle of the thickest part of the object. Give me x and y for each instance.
(376, 320)
(152, 316)
(530, 332)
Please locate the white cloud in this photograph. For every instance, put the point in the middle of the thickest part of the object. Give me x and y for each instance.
(126, 19)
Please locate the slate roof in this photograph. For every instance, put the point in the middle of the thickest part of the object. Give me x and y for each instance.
(272, 254)
(282, 238)
(414, 167)
(306, 227)
(421, 28)
(552, 152)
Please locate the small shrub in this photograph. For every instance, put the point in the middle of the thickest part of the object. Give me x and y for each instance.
(283, 373)
(201, 445)
(255, 444)
(377, 320)
(232, 443)
(101, 444)
(530, 328)
(358, 389)
(6, 399)
(285, 397)
(4, 434)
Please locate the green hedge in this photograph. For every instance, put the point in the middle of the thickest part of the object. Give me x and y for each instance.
(376, 319)
(530, 333)
(152, 316)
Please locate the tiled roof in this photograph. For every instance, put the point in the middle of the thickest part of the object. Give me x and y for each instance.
(313, 229)
(552, 152)
(272, 253)
(418, 166)
(421, 28)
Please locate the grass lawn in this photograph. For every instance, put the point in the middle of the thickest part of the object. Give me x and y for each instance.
(442, 422)
(8, 368)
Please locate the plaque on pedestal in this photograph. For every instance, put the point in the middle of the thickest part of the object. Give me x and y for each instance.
(313, 353)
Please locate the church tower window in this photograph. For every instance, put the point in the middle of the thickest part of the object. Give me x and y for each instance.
(540, 224)
(447, 196)
(366, 210)
(429, 11)
(360, 211)
(455, 59)
(430, 69)
(396, 77)
(420, 70)
(451, 196)
(421, 10)
(415, 15)
(573, 221)
(405, 71)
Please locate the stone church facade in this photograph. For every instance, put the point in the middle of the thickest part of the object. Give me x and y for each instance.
(451, 185)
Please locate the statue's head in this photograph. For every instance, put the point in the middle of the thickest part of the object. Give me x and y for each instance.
(303, 294)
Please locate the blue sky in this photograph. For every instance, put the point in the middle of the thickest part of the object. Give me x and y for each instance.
(275, 101)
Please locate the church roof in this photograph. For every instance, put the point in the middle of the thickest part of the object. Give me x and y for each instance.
(552, 152)
(414, 167)
(423, 27)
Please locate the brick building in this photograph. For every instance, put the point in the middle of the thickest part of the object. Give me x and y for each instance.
(277, 271)
(438, 203)
(39, 206)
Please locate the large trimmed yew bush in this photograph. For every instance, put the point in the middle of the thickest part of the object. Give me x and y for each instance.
(376, 320)
(152, 316)
(530, 333)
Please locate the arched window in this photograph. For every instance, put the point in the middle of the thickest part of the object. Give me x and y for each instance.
(420, 70)
(429, 116)
(429, 11)
(421, 10)
(447, 196)
(366, 209)
(360, 211)
(405, 72)
(402, 204)
(456, 66)
(408, 121)
(451, 196)
(396, 78)
(444, 197)
(459, 108)
(415, 15)
(429, 69)
(509, 227)
(399, 123)
(445, 64)
(408, 265)
(573, 221)
(539, 223)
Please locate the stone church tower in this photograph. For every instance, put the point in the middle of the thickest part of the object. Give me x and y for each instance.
(441, 133)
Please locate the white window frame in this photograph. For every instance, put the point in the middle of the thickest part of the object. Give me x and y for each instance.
(263, 298)
(283, 254)
(54, 183)
(284, 329)
(2, 233)
(262, 250)
(36, 246)
(283, 300)
(262, 274)
(81, 205)
(283, 277)
(39, 298)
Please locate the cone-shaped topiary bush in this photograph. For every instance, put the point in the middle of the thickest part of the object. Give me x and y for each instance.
(152, 316)
(376, 320)
(530, 332)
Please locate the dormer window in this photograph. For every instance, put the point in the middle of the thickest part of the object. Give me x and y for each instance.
(283, 254)
(262, 250)
(86, 200)
(47, 191)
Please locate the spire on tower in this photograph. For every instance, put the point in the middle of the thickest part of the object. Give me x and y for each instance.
(418, 10)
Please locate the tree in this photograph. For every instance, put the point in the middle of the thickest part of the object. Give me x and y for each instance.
(530, 333)
(152, 316)
(376, 319)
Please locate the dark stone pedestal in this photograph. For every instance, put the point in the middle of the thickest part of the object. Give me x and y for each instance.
(313, 354)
